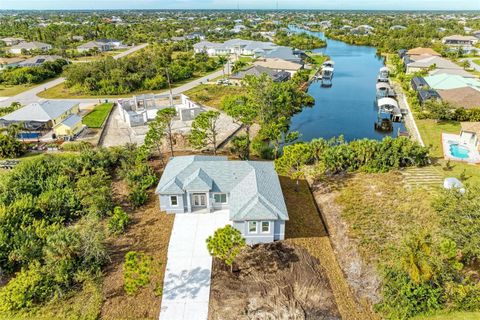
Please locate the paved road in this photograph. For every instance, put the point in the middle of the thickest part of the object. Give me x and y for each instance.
(30, 96)
(186, 286)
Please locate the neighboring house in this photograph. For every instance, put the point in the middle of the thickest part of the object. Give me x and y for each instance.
(29, 46)
(470, 134)
(41, 116)
(69, 128)
(116, 44)
(428, 94)
(235, 46)
(143, 108)
(100, 46)
(238, 28)
(256, 70)
(466, 97)
(419, 83)
(460, 41)
(420, 53)
(38, 60)
(446, 81)
(279, 65)
(286, 53)
(9, 62)
(458, 71)
(398, 27)
(249, 190)
(12, 41)
(429, 63)
(195, 35)
(77, 38)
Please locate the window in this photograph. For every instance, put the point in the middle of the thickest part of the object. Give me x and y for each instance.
(173, 201)
(252, 226)
(265, 227)
(220, 197)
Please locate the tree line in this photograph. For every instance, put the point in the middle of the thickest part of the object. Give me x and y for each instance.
(151, 69)
(35, 74)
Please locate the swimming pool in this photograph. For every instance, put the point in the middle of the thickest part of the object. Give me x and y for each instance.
(459, 151)
(29, 135)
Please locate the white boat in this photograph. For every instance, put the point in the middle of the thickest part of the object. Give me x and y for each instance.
(390, 106)
(383, 74)
(384, 90)
(328, 64)
(327, 72)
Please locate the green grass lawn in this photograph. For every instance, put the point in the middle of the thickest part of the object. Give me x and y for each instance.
(97, 116)
(9, 91)
(476, 61)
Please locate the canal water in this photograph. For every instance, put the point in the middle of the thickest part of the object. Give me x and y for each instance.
(347, 107)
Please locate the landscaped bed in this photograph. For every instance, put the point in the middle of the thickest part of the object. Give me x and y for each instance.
(96, 117)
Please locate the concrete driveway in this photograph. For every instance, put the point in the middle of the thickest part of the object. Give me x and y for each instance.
(186, 288)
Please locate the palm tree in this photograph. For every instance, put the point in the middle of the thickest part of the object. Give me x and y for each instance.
(238, 65)
(222, 60)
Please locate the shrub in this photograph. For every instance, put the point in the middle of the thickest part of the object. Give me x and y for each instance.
(28, 287)
(118, 222)
(136, 271)
(225, 244)
(137, 197)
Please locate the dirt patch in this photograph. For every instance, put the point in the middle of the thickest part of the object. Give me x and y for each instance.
(148, 232)
(272, 281)
(362, 278)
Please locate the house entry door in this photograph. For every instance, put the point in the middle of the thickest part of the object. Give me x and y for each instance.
(199, 200)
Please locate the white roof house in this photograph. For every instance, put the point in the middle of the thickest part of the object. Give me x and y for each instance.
(29, 46)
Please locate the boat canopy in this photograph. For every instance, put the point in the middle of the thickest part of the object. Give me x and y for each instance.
(387, 102)
(384, 69)
(328, 69)
(383, 86)
(329, 63)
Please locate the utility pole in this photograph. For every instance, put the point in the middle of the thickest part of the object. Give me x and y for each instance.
(169, 87)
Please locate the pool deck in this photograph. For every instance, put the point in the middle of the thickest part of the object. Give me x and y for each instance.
(474, 155)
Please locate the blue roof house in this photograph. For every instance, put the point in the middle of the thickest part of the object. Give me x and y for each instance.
(249, 190)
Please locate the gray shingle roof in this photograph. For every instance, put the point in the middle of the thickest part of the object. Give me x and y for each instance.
(72, 120)
(254, 187)
(41, 112)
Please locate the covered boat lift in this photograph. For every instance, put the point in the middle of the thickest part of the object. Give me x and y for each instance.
(384, 90)
(390, 106)
(383, 74)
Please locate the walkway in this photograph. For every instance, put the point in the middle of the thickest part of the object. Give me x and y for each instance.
(186, 288)
(30, 96)
(426, 177)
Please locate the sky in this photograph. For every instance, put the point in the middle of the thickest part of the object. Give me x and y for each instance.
(243, 4)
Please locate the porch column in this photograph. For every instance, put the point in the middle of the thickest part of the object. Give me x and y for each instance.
(208, 202)
(189, 202)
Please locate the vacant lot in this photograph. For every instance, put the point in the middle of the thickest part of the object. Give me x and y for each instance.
(149, 233)
(272, 281)
(306, 229)
(212, 94)
(96, 117)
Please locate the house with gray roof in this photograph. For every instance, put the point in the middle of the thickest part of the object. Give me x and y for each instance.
(38, 60)
(249, 190)
(257, 71)
(29, 46)
(42, 115)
